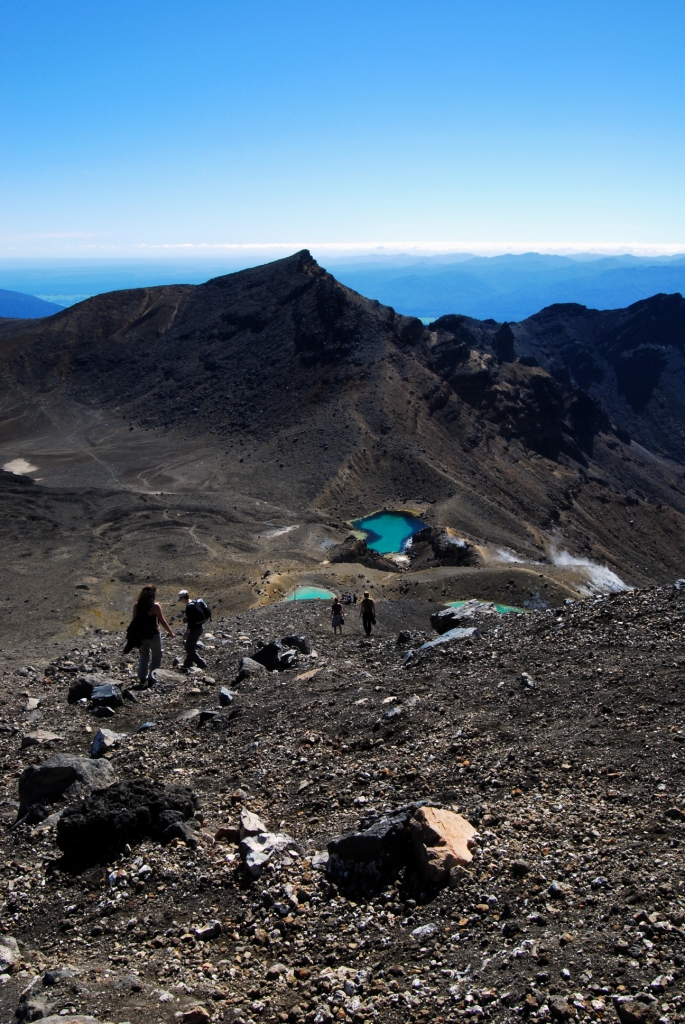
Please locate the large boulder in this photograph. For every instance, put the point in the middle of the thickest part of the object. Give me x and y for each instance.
(63, 774)
(99, 826)
(441, 841)
(367, 858)
(299, 643)
(275, 656)
(84, 686)
(469, 614)
(451, 636)
(248, 668)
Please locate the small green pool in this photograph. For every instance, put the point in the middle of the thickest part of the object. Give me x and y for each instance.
(503, 609)
(310, 594)
(389, 533)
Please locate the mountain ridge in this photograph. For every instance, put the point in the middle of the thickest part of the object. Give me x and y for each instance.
(280, 385)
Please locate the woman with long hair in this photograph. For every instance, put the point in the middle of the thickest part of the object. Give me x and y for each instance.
(144, 634)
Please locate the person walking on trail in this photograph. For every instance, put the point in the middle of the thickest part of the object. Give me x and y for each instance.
(367, 613)
(196, 614)
(144, 634)
(337, 616)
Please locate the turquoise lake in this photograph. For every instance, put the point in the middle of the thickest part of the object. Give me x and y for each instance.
(388, 532)
(310, 594)
(503, 609)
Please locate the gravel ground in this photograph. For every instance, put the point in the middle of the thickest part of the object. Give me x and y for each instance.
(559, 734)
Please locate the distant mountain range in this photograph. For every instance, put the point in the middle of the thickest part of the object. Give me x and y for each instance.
(510, 287)
(25, 307)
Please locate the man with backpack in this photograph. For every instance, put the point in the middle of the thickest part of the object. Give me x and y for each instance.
(196, 612)
(367, 613)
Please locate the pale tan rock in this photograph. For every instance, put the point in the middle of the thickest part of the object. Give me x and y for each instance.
(9, 954)
(40, 737)
(250, 824)
(441, 841)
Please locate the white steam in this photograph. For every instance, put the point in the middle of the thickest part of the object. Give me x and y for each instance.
(600, 579)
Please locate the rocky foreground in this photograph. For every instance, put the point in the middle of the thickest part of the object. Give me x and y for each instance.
(558, 736)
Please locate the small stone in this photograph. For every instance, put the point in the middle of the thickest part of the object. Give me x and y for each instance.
(208, 931)
(519, 868)
(208, 716)
(189, 715)
(105, 741)
(226, 697)
(423, 931)
(165, 675)
(275, 971)
(631, 1011)
(198, 1015)
(9, 954)
(103, 712)
(250, 824)
(560, 1009)
(527, 681)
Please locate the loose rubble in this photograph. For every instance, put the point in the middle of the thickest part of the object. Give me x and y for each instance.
(492, 829)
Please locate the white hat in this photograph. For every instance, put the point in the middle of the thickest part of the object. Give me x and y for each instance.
(182, 594)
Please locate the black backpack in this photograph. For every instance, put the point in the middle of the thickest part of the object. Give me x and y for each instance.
(198, 612)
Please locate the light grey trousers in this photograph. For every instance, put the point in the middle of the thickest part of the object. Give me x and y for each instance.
(150, 654)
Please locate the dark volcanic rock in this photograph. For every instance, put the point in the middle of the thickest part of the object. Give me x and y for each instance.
(376, 852)
(354, 549)
(434, 546)
(46, 782)
(102, 824)
(275, 656)
(107, 695)
(300, 643)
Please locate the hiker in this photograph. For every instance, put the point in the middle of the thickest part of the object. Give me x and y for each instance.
(196, 613)
(367, 613)
(144, 634)
(337, 616)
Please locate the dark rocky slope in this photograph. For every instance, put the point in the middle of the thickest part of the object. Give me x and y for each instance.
(324, 403)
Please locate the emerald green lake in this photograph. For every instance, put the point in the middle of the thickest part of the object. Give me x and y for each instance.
(388, 532)
(310, 594)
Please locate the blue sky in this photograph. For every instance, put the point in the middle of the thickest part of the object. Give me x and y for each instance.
(170, 128)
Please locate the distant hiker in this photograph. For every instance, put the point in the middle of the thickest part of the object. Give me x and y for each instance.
(354, 598)
(144, 634)
(337, 616)
(367, 613)
(196, 612)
